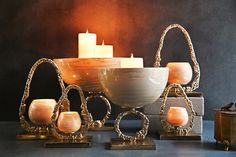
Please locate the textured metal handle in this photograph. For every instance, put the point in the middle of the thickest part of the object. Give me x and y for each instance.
(195, 82)
(140, 135)
(165, 126)
(100, 123)
(84, 113)
(24, 123)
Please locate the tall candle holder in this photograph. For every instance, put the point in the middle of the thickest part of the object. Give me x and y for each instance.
(178, 130)
(70, 138)
(180, 75)
(195, 82)
(34, 131)
(133, 88)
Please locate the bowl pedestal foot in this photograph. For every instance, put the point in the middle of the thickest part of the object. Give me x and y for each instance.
(128, 142)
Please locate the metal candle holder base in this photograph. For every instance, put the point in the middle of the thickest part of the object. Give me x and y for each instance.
(120, 144)
(29, 136)
(100, 125)
(171, 136)
(77, 143)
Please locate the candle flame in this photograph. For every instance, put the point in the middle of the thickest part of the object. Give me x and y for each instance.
(132, 55)
(103, 43)
(87, 31)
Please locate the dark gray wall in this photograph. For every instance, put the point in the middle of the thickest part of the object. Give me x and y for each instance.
(31, 29)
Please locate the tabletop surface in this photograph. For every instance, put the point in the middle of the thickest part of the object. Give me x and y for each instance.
(11, 147)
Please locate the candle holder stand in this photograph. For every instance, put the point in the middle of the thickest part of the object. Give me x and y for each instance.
(131, 90)
(171, 132)
(33, 131)
(75, 139)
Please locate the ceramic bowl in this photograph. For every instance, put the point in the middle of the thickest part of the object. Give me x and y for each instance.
(41, 111)
(133, 87)
(179, 72)
(84, 71)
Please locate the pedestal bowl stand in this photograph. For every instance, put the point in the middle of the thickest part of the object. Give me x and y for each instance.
(133, 88)
(84, 72)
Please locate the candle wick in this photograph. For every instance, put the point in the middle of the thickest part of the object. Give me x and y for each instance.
(103, 42)
(87, 31)
(132, 55)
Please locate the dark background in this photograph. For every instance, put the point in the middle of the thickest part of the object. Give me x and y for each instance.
(31, 29)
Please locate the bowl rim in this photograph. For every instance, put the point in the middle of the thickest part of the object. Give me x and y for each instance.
(176, 62)
(74, 58)
(133, 69)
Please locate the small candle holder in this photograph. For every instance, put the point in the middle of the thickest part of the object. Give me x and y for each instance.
(72, 137)
(187, 71)
(133, 88)
(33, 130)
(179, 130)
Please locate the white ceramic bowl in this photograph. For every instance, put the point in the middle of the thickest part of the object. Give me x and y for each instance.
(133, 87)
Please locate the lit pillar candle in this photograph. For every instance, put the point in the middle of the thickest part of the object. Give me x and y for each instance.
(87, 44)
(132, 62)
(177, 116)
(41, 111)
(103, 51)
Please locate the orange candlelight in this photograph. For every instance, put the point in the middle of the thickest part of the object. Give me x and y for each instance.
(69, 122)
(41, 110)
(177, 116)
(179, 72)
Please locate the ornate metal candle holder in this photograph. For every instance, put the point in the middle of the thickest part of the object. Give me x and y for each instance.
(195, 82)
(70, 139)
(133, 88)
(34, 131)
(175, 131)
(84, 72)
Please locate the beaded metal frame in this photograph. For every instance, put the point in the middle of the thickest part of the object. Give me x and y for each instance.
(141, 134)
(28, 126)
(195, 82)
(99, 123)
(172, 129)
(84, 113)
